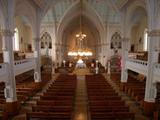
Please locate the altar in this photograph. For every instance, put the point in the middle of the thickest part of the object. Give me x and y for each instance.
(80, 64)
(81, 68)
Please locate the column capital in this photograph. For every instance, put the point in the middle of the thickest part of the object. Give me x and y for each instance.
(125, 39)
(37, 39)
(5, 32)
(105, 44)
(154, 33)
(57, 44)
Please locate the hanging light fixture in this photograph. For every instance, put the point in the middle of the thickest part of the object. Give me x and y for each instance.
(81, 35)
(80, 51)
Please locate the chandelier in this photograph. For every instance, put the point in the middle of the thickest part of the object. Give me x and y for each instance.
(80, 37)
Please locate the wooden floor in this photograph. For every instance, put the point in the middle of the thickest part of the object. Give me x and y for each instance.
(81, 71)
(81, 109)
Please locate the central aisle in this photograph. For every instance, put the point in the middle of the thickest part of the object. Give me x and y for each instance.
(81, 71)
(81, 110)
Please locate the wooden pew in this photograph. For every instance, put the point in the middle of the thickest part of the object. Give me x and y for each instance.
(52, 103)
(49, 115)
(112, 116)
(57, 101)
(55, 108)
(105, 104)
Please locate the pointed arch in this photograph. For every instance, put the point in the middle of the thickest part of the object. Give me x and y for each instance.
(25, 9)
(116, 40)
(46, 44)
(44, 30)
(130, 11)
(88, 12)
(46, 40)
(153, 8)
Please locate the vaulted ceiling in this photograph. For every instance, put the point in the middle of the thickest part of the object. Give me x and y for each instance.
(43, 3)
(108, 10)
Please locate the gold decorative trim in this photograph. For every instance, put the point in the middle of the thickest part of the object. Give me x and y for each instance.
(154, 33)
(6, 33)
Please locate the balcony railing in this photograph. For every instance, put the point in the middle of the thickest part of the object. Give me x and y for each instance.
(3, 72)
(20, 67)
(156, 72)
(139, 66)
(25, 65)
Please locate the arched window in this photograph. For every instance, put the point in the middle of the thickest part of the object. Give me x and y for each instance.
(16, 40)
(116, 41)
(46, 44)
(145, 45)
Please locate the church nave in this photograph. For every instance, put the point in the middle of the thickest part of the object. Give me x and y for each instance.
(80, 59)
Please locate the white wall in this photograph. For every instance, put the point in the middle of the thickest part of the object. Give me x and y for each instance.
(28, 36)
(112, 29)
(137, 33)
(25, 33)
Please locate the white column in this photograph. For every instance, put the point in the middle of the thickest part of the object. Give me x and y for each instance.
(61, 54)
(37, 70)
(101, 58)
(58, 55)
(97, 69)
(64, 63)
(102, 55)
(99, 52)
(10, 84)
(105, 55)
(54, 62)
(153, 53)
(124, 72)
(109, 68)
